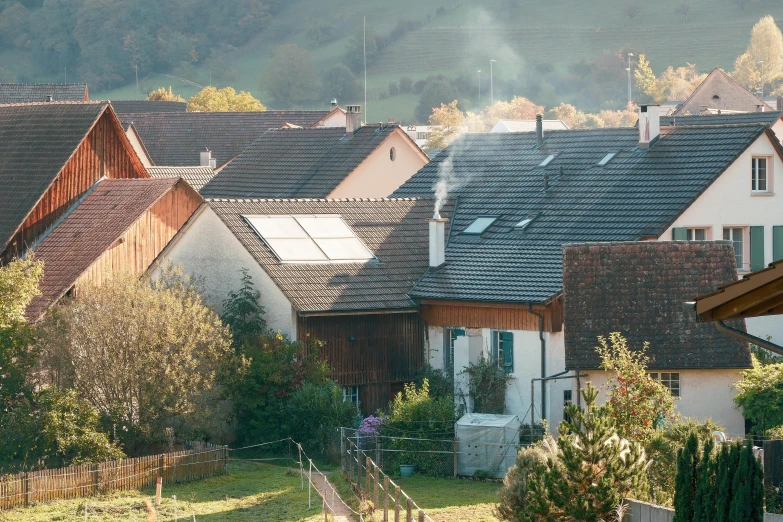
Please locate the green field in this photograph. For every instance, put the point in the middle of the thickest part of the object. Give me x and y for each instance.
(556, 32)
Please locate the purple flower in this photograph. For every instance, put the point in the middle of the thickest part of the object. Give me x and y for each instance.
(370, 426)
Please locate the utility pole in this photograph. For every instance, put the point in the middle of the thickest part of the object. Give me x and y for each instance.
(491, 84)
(479, 78)
(630, 98)
(364, 30)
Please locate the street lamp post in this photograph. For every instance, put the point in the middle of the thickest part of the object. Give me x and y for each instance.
(491, 84)
(761, 63)
(479, 78)
(630, 98)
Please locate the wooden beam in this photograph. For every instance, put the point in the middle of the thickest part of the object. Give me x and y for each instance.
(482, 304)
(765, 307)
(738, 306)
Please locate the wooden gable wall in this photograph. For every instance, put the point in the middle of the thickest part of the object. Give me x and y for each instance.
(499, 316)
(105, 152)
(141, 244)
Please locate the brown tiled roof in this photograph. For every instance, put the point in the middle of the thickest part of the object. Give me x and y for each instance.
(720, 91)
(177, 138)
(395, 230)
(639, 289)
(143, 106)
(36, 141)
(111, 207)
(37, 92)
(196, 177)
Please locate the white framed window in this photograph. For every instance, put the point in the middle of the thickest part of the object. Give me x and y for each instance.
(351, 394)
(760, 174)
(697, 234)
(503, 349)
(668, 379)
(737, 236)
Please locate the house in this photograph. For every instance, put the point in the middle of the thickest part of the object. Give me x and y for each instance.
(356, 161)
(719, 91)
(53, 153)
(419, 133)
(118, 226)
(176, 139)
(773, 119)
(638, 289)
(333, 270)
(122, 107)
(137, 144)
(527, 125)
(520, 197)
(196, 177)
(42, 92)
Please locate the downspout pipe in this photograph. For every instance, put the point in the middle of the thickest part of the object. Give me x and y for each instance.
(744, 336)
(543, 358)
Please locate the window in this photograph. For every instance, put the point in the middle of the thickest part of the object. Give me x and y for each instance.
(392, 154)
(422, 135)
(606, 159)
(735, 236)
(351, 394)
(759, 175)
(310, 239)
(670, 380)
(697, 234)
(547, 161)
(450, 335)
(523, 224)
(479, 225)
(567, 399)
(503, 349)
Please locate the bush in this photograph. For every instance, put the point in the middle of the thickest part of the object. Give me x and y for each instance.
(760, 395)
(531, 463)
(406, 84)
(487, 386)
(441, 383)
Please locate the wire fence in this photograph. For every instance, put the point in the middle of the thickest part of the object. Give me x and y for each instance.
(23, 489)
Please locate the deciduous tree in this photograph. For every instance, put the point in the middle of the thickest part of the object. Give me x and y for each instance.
(211, 99)
(290, 75)
(163, 94)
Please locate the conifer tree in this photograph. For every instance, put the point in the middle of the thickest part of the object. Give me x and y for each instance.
(727, 465)
(747, 501)
(685, 484)
(704, 504)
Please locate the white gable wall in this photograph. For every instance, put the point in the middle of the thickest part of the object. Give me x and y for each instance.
(208, 250)
(728, 202)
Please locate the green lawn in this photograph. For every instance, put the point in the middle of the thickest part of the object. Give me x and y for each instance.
(251, 492)
(453, 500)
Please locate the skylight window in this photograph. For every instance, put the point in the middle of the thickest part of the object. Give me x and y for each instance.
(547, 161)
(606, 159)
(522, 225)
(479, 225)
(310, 239)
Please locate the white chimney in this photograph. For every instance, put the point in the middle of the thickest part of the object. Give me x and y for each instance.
(649, 125)
(206, 159)
(437, 241)
(353, 118)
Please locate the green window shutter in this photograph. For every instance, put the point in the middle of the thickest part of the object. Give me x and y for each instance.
(680, 234)
(756, 248)
(777, 243)
(508, 351)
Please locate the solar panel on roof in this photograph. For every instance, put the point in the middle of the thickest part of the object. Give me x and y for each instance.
(310, 239)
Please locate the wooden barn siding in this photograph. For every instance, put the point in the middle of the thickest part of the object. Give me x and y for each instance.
(147, 237)
(102, 153)
(388, 348)
(495, 316)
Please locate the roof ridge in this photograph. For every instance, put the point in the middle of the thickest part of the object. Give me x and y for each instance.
(324, 200)
(28, 104)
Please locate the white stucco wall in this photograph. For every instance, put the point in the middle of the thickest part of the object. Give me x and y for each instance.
(335, 119)
(704, 394)
(729, 202)
(378, 176)
(141, 152)
(208, 250)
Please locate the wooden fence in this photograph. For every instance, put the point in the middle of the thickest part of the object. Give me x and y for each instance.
(23, 489)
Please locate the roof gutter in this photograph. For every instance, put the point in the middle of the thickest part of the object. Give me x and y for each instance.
(543, 359)
(744, 336)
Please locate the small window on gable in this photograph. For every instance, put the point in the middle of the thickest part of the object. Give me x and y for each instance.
(716, 98)
(547, 161)
(479, 225)
(606, 159)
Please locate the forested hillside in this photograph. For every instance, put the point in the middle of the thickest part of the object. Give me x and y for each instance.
(551, 52)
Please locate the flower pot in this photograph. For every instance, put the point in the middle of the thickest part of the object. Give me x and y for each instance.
(406, 470)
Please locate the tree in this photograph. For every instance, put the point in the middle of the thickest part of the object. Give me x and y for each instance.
(766, 44)
(290, 75)
(747, 72)
(436, 93)
(339, 82)
(318, 30)
(146, 354)
(210, 99)
(572, 116)
(593, 471)
(687, 478)
(242, 311)
(161, 94)
(638, 404)
(704, 502)
(357, 48)
(760, 395)
(747, 503)
(683, 10)
(632, 9)
(446, 123)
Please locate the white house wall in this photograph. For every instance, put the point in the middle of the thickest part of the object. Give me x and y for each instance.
(729, 202)
(704, 394)
(208, 250)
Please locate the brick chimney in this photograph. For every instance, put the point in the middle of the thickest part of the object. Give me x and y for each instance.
(780, 103)
(649, 125)
(353, 118)
(437, 242)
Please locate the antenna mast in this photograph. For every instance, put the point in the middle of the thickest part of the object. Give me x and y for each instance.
(364, 31)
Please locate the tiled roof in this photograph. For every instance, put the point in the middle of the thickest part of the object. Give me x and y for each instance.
(37, 92)
(36, 140)
(296, 163)
(177, 138)
(638, 289)
(720, 91)
(638, 193)
(196, 177)
(143, 106)
(395, 230)
(767, 118)
(111, 207)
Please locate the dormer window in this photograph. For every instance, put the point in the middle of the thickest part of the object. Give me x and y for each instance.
(606, 159)
(479, 225)
(547, 161)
